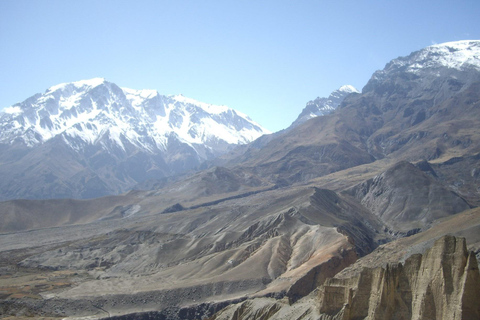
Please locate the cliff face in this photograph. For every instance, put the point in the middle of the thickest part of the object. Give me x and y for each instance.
(444, 283)
(438, 285)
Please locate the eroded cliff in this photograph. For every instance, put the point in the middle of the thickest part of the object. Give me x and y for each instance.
(443, 283)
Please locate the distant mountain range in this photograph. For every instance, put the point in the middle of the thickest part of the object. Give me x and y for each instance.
(107, 139)
(85, 112)
(92, 138)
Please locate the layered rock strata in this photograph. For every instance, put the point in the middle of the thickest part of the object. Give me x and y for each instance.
(444, 283)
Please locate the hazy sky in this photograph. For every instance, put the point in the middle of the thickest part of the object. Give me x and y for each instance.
(264, 58)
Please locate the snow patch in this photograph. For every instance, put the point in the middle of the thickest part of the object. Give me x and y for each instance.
(455, 55)
(13, 110)
(91, 83)
(348, 88)
(137, 97)
(210, 108)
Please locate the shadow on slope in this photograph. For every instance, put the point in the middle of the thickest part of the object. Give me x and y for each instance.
(406, 199)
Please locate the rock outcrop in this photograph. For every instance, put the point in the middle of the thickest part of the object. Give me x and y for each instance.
(406, 199)
(444, 283)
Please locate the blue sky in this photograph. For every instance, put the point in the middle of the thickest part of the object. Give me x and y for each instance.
(264, 58)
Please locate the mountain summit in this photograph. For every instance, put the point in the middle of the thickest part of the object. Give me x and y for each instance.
(451, 60)
(323, 106)
(458, 55)
(113, 137)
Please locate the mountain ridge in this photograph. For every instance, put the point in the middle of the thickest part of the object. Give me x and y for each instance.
(323, 106)
(398, 116)
(113, 137)
(67, 105)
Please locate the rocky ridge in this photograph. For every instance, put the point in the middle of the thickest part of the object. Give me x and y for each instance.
(443, 283)
(323, 106)
(399, 115)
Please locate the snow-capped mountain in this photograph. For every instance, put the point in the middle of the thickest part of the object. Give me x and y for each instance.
(85, 111)
(412, 90)
(430, 114)
(116, 136)
(446, 60)
(323, 106)
(454, 55)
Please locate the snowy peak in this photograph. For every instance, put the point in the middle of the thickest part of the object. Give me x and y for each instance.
(447, 67)
(449, 56)
(455, 55)
(347, 89)
(83, 110)
(94, 111)
(336, 97)
(323, 106)
(82, 85)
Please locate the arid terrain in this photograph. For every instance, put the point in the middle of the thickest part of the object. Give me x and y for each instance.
(369, 212)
